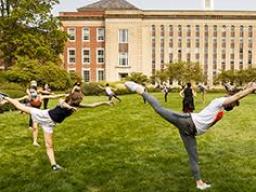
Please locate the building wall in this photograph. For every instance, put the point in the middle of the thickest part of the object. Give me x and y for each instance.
(140, 41)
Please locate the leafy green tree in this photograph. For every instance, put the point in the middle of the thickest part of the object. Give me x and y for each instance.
(184, 72)
(137, 77)
(27, 28)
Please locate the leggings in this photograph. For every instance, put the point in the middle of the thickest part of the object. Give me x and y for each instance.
(186, 129)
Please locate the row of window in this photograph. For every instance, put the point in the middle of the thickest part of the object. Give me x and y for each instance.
(215, 29)
(87, 77)
(86, 55)
(122, 34)
(100, 54)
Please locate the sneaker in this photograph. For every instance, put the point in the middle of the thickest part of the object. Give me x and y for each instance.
(56, 167)
(203, 186)
(134, 87)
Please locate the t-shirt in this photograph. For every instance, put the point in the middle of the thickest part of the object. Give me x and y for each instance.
(109, 91)
(208, 116)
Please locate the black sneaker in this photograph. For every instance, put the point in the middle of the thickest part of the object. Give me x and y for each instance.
(56, 167)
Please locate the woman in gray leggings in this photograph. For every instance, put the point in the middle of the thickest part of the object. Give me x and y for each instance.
(194, 124)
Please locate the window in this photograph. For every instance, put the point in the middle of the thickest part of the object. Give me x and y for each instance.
(188, 43)
(241, 31)
(162, 31)
(100, 34)
(188, 30)
(250, 43)
(197, 30)
(100, 55)
(86, 56)
(197, 43)
(224, 31)
(153, 30)
(71, 34)
(123, 35)
(71, 55)
(100, 75)
(215, 44)
(180, 43)
(171, 43)
(223, 43)
(86, 74)
(188, 57)
(170, 58)
(249, 57)
(170, 30)
(232, 31)
(123, 59)
(179, 31)
(232, 44)
(206, 32)
(86, 34)
(250, 31)
(179, 55)
(215, 31)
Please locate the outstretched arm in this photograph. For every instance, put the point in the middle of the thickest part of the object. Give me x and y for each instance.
(93, 105)
(182, 93)
(52, 96)
(251, 87)
(63, 104)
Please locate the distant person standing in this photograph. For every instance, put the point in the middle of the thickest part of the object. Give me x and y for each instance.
(202, 89)
(188, 99)
(165, 90)
(46, 91)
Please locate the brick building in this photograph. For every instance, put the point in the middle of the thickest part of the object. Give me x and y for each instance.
(111, 38)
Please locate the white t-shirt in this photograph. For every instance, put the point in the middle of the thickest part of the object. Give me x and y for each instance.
(108, 91)
(208, 116)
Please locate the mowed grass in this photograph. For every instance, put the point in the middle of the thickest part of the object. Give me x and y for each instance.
(129, 148)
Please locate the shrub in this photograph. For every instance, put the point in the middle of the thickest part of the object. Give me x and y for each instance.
(137, 77)
(92, 89)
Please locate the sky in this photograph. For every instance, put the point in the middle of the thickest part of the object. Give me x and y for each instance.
(72, 5)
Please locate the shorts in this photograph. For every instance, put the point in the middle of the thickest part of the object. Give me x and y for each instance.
(43, 118)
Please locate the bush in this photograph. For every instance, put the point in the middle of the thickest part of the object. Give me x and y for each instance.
(137, 77)
(92, 89)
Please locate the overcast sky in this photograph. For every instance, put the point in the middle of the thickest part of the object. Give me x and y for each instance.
(72, 5)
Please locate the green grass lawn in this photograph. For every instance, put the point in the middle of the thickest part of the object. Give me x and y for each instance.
(129, 148)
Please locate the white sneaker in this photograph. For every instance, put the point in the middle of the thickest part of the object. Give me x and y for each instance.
(132, 86)
(203, 186)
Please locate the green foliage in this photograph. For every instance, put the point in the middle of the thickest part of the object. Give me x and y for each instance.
(184, 72)
(26, 70)
(237, 76)
(137, 77)
(27, 28)
(161, 76)
(75, 77)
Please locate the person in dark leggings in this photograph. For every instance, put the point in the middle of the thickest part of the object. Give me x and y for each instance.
(194, 124)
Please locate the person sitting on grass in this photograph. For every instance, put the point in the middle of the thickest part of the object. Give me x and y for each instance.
(48, 118)
(191, 125)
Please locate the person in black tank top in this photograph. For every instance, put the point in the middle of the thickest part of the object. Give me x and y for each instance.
(188, 99)
(48, 118)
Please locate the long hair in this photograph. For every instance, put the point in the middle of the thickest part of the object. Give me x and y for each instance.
(74, 99)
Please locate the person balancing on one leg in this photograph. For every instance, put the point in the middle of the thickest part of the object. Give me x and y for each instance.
(48, 118)
(191, 125)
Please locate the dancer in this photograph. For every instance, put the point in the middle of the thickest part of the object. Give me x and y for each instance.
(48, 118)
(195, 124)
(188, 94)
(109, 92)
(202, 89)
(35, 100)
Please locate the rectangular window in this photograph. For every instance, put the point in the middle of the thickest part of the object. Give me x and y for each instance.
(100, 55)
(100, 75)
(123, 35)
(100, 34)
(86, 74)
(71, 55)
(86, 56)
(86, 34)
(71, 34)
(123, 59)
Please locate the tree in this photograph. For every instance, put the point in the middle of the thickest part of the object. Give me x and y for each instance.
(137, 77)
(27, 28)
(184, 72)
